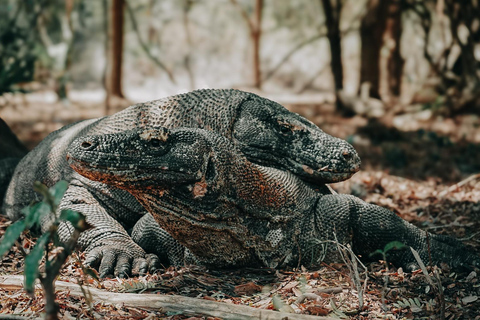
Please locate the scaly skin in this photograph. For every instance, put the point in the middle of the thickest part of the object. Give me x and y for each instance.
(228, 212)
(263, 130)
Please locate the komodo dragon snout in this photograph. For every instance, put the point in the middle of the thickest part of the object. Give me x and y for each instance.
(173, 154)
(273, 136)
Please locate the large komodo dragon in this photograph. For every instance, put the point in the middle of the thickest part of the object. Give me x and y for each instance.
(228, 211)
(264, 131)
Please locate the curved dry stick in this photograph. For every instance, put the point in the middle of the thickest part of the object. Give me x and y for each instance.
(145, 46)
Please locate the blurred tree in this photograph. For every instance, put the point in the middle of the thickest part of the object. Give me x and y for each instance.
(381, 62)
(113, 83)
(57, 37)
(116, 52)
(332, 10)
(255, 28)
(456, 66)
(18, 43)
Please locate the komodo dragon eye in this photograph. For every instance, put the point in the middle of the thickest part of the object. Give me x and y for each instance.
(155, 143)
(285, 127)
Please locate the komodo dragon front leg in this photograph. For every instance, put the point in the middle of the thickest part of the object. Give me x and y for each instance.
(229, 212)
(101, 243)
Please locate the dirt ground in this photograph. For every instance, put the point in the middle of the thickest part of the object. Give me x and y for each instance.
(425, 169)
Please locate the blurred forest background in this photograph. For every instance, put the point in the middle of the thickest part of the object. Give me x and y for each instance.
(400, 79)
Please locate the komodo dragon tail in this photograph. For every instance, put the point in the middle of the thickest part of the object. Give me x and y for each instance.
(11, 151)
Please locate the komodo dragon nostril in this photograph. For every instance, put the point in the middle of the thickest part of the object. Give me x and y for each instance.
(87, 145)
(347, 155)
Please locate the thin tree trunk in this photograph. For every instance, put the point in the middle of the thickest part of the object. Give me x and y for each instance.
(332, 17)
(256, 34)
(391, 69)
(371, 33)
(255, 28)
(118, 7)
(107, 54)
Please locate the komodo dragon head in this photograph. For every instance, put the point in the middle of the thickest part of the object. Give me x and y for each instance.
(270, 135)
(266, 132)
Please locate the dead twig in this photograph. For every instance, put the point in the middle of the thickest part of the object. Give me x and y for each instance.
(459, 185)
(436, 286)
(352, 264)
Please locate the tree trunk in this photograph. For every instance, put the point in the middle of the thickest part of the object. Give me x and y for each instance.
(118, 7)
(332, 17)
(256, 34)
(391, 70)
(371, 33)
(381, 62)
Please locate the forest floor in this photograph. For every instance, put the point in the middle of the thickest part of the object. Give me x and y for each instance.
(425, 169)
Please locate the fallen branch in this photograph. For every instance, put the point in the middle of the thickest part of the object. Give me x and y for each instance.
(458, 185)
(166, 303)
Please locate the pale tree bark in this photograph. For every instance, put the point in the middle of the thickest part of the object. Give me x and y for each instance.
(460, 81)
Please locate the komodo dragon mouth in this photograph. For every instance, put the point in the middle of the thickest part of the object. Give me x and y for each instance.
(127, 176)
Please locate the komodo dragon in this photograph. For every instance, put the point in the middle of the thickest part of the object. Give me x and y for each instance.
(264, 131)
(229, 212)
(11, 151)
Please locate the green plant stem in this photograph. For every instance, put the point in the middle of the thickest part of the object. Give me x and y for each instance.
(51, 272)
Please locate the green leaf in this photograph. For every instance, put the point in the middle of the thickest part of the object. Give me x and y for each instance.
(374, 253)
(33, 214)
(58, 190)
(77, 219)
(32, 262)
(11, 235)
(42, 189)
(394, 245)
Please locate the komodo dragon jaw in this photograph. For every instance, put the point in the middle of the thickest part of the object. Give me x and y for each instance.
(147, 158)
(275, 137)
